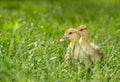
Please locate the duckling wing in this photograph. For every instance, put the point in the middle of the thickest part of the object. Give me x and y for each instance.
(94, 46)
(98, 51)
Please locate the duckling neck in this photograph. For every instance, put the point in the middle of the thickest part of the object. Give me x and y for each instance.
(84, 38)
(75, 41)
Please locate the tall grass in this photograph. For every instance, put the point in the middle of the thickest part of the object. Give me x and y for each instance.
(30, 30)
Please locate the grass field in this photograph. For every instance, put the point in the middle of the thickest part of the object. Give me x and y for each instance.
(30, 30)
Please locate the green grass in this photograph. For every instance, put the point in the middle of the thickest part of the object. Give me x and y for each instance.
(30, 30)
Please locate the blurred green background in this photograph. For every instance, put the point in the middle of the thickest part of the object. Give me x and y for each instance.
(30, 30)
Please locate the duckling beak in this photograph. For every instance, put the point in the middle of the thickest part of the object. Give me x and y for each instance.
(63, 38)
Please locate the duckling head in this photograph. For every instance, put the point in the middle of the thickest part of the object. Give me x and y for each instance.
(70, 34)
(82, 30)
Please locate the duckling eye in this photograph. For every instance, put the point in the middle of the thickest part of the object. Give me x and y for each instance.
(70, 32)
(81, 29)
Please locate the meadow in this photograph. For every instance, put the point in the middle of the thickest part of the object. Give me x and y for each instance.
(30, 30)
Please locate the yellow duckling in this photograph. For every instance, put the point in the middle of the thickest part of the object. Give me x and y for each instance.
(73, 48)
(89, 48)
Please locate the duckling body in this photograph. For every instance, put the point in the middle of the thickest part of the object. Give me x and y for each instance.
(90, 50)
(73, 50)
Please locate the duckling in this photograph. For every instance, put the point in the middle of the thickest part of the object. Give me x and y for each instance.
(91, 49)
(73, 48)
